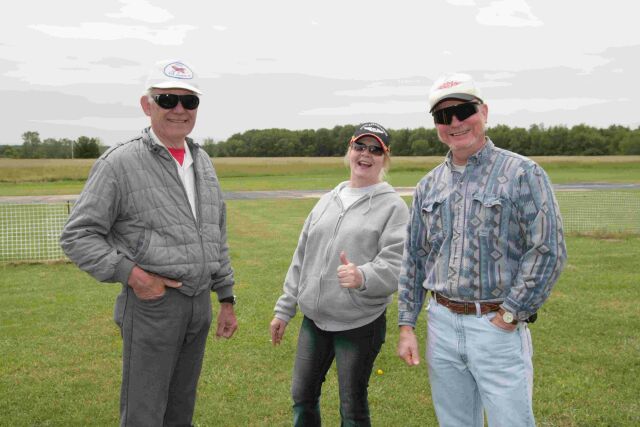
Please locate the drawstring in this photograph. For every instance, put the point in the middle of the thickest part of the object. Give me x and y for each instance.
(373, 193)
(370, 202)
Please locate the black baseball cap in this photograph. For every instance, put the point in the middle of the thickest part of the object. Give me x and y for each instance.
(374, 130)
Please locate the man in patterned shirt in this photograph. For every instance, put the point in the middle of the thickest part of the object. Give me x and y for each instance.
(485, 245)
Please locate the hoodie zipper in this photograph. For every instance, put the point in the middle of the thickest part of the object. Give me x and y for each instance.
(335, 232)
(328, 248)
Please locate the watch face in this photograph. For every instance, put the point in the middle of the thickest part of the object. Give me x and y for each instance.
(507, 317)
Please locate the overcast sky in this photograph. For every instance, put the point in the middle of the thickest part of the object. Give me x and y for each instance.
(77, 67)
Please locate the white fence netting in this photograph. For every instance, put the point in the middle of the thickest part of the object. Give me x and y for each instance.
(30, 231)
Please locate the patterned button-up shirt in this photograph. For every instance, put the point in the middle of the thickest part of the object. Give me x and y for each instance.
(491, 233)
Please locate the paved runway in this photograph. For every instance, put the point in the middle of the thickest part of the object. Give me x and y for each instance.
(302, 194)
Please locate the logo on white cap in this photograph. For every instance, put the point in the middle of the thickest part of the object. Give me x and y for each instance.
(178, 70)
(449, 84)
(457, 86)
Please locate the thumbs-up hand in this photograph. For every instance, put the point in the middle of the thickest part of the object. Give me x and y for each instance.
(349, 275)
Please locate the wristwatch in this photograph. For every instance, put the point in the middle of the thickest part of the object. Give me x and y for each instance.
(507, 317)
(231, 300)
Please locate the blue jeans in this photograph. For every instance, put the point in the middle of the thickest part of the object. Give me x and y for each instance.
(475, 365)
(355, 350)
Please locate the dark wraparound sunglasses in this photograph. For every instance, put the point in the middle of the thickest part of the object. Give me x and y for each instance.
(170, 100)
(461, 111)
(373, 149)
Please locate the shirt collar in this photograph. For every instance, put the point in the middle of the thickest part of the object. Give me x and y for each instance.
(475, 158)
(483, 154)
(188, 159)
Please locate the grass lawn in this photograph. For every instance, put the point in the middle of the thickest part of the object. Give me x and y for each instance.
(20, 177)
(61, 351)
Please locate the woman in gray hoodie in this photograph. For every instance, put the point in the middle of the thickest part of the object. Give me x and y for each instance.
(342, 276)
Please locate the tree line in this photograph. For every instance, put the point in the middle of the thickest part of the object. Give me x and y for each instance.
(33, 147)
(537, 140)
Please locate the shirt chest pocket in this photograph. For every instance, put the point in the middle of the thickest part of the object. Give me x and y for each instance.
(489, 213)
(433, 216)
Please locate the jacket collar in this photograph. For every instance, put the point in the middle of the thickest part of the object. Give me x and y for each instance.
(159, 149)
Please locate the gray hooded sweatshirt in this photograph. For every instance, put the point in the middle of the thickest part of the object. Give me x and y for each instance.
(371, 232)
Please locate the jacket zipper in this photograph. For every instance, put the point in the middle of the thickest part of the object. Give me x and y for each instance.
(198, 221)
(174, 173)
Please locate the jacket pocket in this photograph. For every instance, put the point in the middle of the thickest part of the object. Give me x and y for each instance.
(209, 177)
(208, 186)
(142, 246)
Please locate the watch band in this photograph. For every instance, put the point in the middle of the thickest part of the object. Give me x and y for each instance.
(231, 300)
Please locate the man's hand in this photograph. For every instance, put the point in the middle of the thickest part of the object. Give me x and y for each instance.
(408, 346)
(149, 286)
(349, 275)
(227, 322)
(277, 328)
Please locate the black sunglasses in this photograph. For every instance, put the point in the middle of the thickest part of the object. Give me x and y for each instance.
(373, 149)
(170, 100)
(461, 111)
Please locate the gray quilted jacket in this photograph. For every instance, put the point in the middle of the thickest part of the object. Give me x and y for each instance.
(134, 210)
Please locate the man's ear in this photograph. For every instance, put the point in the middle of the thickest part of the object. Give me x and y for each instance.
(485, 111)
(145, 104)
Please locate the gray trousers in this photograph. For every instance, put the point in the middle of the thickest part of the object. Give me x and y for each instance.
(163, 347)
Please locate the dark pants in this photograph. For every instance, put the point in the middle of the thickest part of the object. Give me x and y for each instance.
(355, 350)
(163, 348)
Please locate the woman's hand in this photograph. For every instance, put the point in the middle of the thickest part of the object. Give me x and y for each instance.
(349, 274)
(277, 328)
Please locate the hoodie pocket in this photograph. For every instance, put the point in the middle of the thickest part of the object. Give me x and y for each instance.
(336, 302)
(367, 303)
(308, 294)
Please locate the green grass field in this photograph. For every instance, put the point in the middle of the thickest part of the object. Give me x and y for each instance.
(61, 351)
(52, 177)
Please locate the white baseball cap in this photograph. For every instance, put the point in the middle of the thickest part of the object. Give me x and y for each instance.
(173, 74)
(453, 86)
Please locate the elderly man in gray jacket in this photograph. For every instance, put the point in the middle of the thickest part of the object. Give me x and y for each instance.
(151, 216)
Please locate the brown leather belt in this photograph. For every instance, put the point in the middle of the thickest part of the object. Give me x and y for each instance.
(461, 307)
